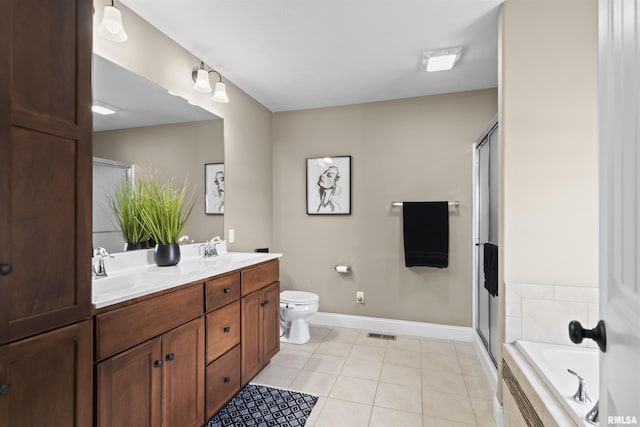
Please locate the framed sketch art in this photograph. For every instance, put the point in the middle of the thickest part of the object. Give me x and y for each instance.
(214, 188)
(329, 186)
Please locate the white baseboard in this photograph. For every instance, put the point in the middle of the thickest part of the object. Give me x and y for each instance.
(392, 326)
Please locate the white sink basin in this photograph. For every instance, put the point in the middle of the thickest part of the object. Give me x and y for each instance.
(112, 284)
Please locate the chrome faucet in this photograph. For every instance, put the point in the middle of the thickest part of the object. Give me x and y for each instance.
(211, 247)
(581, 395)
(100, 254)
(593, 416)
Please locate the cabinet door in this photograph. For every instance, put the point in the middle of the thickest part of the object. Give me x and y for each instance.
(45, 165)
(183, 381)
(47, 379)
(271, 322)
(250, 335)
(130, 386)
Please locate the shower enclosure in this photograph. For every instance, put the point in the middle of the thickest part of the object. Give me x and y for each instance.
(486, 231)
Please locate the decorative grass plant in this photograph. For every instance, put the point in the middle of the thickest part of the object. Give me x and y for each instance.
(165, 209)
(126, 204)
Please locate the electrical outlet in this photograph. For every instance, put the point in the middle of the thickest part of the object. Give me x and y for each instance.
(360, 297)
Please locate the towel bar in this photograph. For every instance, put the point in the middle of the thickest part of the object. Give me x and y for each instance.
(399, 204)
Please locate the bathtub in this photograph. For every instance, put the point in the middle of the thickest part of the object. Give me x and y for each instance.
(551, 362)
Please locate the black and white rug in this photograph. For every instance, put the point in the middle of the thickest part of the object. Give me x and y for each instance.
(261, 406)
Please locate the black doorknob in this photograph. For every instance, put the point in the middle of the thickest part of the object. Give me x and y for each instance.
(599, 334)
(227, 329)
(158, 363)
(170, 357)
(5, 269)
(4, 389)
(227, 290)
(227, 379)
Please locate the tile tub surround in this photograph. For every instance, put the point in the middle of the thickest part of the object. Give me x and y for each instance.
(363, 381)
(542, 312)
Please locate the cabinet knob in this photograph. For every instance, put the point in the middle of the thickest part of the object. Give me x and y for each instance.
(170, 357)
(5, 269)
(158, 363)
(227, 379)
(266, 302)
(4, 389)
(227, 290)
(227, 329)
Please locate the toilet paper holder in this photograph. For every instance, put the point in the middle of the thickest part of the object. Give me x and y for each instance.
(343, 269)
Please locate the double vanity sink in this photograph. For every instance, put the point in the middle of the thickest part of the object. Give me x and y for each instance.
(128, 279)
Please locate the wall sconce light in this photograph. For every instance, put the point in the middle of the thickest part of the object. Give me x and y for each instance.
(201, 79)
(111, 26)
(440, 60)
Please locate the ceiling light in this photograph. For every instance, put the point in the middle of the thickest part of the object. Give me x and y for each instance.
(440, 60)
(111, 26)
(201, 79)
(105, 111)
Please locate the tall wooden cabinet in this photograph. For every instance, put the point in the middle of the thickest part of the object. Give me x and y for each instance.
(45, 212)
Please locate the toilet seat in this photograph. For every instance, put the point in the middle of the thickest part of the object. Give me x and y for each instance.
(298, 297)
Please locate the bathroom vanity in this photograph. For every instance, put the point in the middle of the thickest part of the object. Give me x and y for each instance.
(187, 342)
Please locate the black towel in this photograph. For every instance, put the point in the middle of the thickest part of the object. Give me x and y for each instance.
(426, 234)
(491, 268)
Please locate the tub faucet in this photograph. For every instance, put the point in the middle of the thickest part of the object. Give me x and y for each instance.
(593, 416)
(581, 395)
(100, 253)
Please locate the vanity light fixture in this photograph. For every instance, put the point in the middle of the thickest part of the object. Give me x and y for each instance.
(201, 79)
(440, 60)
(111, 26)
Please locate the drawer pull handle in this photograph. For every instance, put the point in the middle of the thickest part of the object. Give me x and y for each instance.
(227, 329)
(170, 357)
(5, 269)
(158, 363)
(227, 290)
(4, 389)
(227, 380)
(266, 302)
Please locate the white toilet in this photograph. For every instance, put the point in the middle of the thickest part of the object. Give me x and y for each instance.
(296, 308)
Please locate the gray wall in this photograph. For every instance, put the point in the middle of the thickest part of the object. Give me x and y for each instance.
(417, 149)
(177, 151)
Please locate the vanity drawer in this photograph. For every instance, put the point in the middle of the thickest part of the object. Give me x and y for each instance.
(258, 277)
(223, 330)
(223, 381)
(222, 290)
(123, 328)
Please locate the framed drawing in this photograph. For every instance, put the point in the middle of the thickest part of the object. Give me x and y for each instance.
(214, 188)
(329, 186)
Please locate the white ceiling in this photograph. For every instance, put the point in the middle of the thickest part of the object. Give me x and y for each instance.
(298, 54)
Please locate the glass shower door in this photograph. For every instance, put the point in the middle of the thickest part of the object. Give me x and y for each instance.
(486, 232)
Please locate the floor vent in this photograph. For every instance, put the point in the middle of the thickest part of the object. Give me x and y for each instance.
(381, 336)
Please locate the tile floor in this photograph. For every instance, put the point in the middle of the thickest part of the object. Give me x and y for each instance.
(372, 382)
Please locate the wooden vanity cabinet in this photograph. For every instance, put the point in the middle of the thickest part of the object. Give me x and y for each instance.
(159, 380)
(260, 337)
(223, 341)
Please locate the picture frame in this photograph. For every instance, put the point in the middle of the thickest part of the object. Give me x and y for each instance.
(214, 188)
(329, 185)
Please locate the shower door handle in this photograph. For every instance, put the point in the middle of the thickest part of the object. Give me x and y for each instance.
(599, 334)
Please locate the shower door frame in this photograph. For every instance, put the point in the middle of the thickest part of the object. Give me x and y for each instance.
(483, 342)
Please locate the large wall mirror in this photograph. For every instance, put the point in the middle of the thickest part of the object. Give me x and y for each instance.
(151, 131)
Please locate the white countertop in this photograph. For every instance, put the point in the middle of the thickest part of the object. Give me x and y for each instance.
(127, 279)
